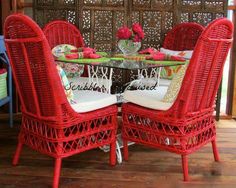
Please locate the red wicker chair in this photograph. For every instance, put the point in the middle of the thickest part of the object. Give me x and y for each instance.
(62, 32)
(183, 36)
(49, 124)
(189, 123)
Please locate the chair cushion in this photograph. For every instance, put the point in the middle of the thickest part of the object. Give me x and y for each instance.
(169, 72)
(86, 83)
(79, 83)
(143, 83)
(164, 82)
(147, 83)
(148, 98)
(65, 84)
(71, 69)
(87, 101)
(62, 49)
(187, 54)
(175, 86)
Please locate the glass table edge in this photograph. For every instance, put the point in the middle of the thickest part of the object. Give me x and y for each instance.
(149, 63)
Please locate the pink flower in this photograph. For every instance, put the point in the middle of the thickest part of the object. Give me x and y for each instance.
(136, 33)
(124, 33)
(137, 38)
(137, 29)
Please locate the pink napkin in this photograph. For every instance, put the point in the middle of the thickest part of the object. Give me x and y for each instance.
(93, 56)
(158, 56)
(72, 56)
(84, 49)
(87, 49)
(148, 51)
(83, 52)
(86, 55)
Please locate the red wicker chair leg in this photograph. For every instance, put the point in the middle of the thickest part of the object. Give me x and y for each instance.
(185, 167)
(57, 171)
(215, 150)
(126, 151)
(113, 153)
(17, 154)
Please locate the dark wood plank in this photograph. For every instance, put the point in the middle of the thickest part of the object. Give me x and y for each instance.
(146, 168)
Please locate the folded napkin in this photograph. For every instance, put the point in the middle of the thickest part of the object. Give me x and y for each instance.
(84, 49)
(158, 56)
(79, 55)
(148, 51)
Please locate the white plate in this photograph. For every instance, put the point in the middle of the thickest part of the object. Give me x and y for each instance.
(62, 49)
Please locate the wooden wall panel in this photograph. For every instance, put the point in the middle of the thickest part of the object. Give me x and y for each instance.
(99, 20)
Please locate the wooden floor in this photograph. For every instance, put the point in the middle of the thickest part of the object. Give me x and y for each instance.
(146, 168)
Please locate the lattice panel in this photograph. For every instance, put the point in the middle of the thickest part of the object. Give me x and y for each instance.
(143, 129)
(48, 10)
(93, 2)
(118, 75)
(191, 3)
(99, 26)
(114, 2)
(162, 3)
(201, 11)
(215, 5)
(98, 20)
(204, 18)
(53, 14)
(156, 17)
(141, 3)
(155, 25)
(103, 25)
(45, 2)
(67, 2)
(135, 17)
(104, 2)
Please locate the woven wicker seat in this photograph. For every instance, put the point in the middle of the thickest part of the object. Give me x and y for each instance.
(189, 123)
(49, 124)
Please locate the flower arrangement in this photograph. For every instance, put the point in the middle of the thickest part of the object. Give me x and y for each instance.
(135, 33)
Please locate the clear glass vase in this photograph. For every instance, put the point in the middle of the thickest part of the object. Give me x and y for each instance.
(129, 47)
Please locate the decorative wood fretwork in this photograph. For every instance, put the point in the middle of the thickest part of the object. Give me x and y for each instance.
(98, 20)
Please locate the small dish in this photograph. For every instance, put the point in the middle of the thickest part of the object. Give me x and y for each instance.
(62, 49)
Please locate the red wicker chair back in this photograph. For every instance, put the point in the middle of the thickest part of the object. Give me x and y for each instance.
(204, 72)
(183, 36)
(49, 124)
(62, 32)
(35, 73)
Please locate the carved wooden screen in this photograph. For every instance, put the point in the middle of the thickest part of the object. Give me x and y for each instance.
(98, 20)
